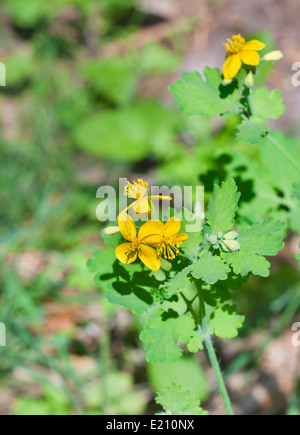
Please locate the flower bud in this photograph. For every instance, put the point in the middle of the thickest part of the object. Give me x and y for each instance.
(232, 245)
(227, 82)
(249, 80)
(212, 239)
(273, 56)
(224, 247)
(232, 235)
(109, 231)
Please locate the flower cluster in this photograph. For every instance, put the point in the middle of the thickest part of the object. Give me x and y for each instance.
(154, 238)
(228, 242)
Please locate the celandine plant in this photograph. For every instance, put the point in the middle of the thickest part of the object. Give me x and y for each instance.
(178, 280)
(181, 280)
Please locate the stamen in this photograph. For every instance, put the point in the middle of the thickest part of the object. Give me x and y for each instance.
(168, 249)
(235, 44)
(136, 189)
(133, 248)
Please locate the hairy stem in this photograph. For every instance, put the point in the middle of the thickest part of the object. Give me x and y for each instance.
(202, 328)
(250, 102)
(247, 99)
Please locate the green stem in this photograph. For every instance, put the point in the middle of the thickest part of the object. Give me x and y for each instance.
(250, 102)
(218, 374)
(212, 356)
(284, 153)
(247, 96)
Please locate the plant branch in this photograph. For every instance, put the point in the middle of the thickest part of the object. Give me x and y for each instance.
(201, 323)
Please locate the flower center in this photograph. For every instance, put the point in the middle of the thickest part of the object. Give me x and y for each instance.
(235, 45)
(133, 249)
(136, 190)
(168, 249)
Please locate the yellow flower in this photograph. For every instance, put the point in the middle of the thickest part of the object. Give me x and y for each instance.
(141, 205)
(138, 245)
(170, 239)
(238, 52)
(136, 190)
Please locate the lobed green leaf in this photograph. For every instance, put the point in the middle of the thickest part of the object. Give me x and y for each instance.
(264, 238)
(267, 104)
(223, 207)
(199, 97)
(210, 268)
(224, 322)
(161, 337)
(177, 401)
(251, 131)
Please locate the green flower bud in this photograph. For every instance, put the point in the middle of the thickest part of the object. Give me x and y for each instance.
(224, 247)
(232, 245)
(232, 235)
(249, 80)
(227, 82)
(212, 239)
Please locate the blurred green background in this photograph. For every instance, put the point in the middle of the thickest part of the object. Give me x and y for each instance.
(86, 102)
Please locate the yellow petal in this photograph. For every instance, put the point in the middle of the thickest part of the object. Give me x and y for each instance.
(151, 227)
(172, 227)
(254, 45)
(154, 240)
(151, 233)
(141, 206)
(249, 57)
(232, 66)
(149, 257)
(122, 253)
(127, 227)
(180, 238)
